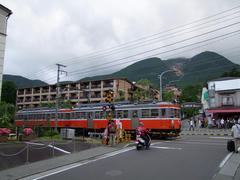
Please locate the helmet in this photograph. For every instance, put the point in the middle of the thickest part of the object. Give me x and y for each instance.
(141, 124)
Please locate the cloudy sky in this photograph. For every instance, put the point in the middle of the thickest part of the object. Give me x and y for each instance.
(93, 37)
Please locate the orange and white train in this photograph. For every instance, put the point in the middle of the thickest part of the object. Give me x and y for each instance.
(162, 118)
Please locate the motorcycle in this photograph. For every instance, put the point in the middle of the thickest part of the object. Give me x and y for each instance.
(140, 142)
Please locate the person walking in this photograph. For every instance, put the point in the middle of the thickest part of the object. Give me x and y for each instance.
(222, 123)
(191, 125)
(236, 135)
(112, 132)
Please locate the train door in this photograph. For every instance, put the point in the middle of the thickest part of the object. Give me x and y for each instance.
(90, 119)
(134, 119)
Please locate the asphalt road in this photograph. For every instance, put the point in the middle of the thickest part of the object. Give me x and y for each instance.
(191, 157)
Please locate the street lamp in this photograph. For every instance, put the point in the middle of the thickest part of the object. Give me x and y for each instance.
(172, 70)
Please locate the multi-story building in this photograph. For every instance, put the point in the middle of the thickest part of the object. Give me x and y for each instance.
(223, 98)
(76, 92)
(4, 15)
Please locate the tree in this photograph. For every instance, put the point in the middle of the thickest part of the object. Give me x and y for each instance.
(9, 90)
(191, 93)
(144, 82)
(233, 73)
(6, 114)
(122, 96)
(168, 95)
(145, 92)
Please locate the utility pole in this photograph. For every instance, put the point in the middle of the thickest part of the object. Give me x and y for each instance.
(57, 91)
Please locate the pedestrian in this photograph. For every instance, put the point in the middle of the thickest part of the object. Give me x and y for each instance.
(191, 125)
(112, 132)
(238, 119)
(222, 123)
(106, 133)
(236, 135)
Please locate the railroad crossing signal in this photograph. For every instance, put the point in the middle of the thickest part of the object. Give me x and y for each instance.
(109, 107)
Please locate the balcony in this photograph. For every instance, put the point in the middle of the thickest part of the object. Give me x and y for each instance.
(45, 90)
(28, 100)
(96, 96)
(28, 92)
(20, 93)
(20, 101)
(73, 97)
(108, 85)
(36, 91)
(95, 86)
(44, 99)
(84, 87)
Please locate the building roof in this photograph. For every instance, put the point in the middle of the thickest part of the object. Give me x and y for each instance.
(224, 79)
(6, 9)
(71, 82)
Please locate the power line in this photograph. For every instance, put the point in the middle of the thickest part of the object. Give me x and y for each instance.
(220, 13)
(87, 71)
(181, 41)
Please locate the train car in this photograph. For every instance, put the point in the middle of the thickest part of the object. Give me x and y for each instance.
(162, 118)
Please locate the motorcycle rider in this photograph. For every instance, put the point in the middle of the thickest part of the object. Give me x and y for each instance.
(142, 132)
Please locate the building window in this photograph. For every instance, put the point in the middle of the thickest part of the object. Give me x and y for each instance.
(227, 100)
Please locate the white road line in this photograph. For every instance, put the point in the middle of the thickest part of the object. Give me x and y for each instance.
(220, 138)
(59, 149)
(225, 160)
(166, 147)
(65, 168)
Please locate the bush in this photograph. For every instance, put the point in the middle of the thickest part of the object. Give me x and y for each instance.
(51, 132)
(4, 131)
(27, 131)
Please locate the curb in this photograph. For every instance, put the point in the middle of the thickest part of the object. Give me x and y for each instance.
(204, 134)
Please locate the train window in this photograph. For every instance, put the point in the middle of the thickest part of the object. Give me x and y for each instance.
(47, 116)
(177, 113)
(114, 115)
(97, 115)
(119, 114)
(53, 115)
(30, 116)
(34, 116)
(83, 115)
(154, 113)
(72, 115)
(163, 112)
(125, 114)
(77, 116)
(61, 115)
(172, 113)
(67, 115)
(145, 113)
(134, 113)
(25, 117)
(103, 115)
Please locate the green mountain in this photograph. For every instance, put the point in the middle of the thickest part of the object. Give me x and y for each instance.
(205, 66)
(198, 69)
(23, 82)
